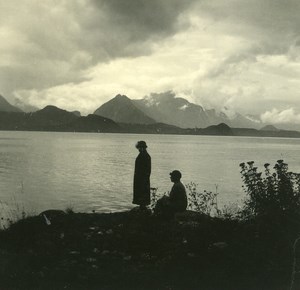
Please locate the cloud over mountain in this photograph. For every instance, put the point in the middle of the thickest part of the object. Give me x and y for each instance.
(281, 117)
(244, 55)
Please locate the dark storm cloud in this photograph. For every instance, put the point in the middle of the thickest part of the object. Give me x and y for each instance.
(273, 24)
(143, 18)
(49, 43)
(128, 28)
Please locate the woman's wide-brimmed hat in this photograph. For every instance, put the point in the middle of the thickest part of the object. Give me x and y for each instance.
(141, 144)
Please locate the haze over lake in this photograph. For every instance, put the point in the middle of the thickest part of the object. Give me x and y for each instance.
(42, 170)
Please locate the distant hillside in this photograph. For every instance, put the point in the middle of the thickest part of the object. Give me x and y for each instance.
(76, 113)
(52, 118)
(265, 133)
(49, 118)
(122, 110)
(92, 123)
(220, 129)
(5, 106)
(161, 128)
(269, 128)
(157, 128)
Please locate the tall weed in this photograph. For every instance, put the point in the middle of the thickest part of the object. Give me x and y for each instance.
(271, 192)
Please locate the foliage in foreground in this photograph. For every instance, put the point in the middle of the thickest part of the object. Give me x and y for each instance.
(86, 251)
(204, 202)
(271, 193)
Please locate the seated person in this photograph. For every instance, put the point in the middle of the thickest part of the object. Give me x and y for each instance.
(176, 201)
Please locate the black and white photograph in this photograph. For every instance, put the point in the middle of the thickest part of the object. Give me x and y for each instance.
(150, 144)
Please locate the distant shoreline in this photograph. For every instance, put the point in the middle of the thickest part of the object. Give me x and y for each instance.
(268, 134)
(53, 119)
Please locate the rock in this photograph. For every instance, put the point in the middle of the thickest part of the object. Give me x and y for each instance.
(74, 253)
(220, 245)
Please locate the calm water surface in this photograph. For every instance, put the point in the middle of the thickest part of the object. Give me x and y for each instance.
(42, 170)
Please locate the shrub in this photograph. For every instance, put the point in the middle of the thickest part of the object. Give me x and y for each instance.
(205, 202)
(231, 211)
(69, 209)
(272, 192)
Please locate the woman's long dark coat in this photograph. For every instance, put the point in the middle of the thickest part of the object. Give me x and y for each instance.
(141, 182)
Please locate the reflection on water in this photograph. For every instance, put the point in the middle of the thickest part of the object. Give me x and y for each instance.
(95, 171)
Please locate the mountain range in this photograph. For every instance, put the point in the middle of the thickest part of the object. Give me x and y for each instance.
(52, 118)
(156, 113)
(55, 119)
(169, 109)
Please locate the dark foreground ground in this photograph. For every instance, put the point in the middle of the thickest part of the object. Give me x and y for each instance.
(134, 250)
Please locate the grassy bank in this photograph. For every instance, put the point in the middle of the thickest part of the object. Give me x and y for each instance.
(136, 250)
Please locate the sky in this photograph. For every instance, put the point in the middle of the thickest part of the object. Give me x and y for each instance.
(240, 54)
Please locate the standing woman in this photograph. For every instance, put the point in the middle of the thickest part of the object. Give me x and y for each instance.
(142, 171)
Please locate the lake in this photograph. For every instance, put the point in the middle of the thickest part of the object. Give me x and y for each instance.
(90, 171)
